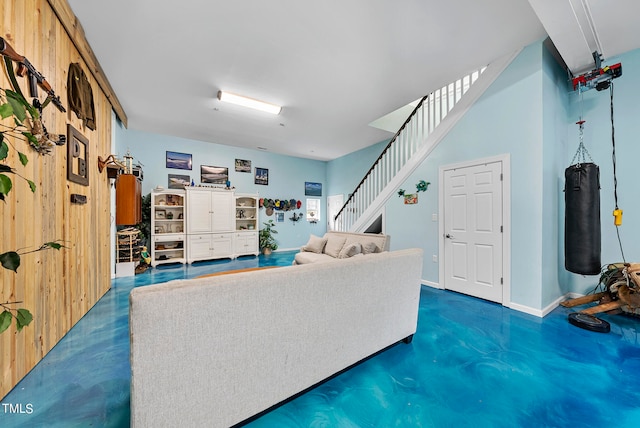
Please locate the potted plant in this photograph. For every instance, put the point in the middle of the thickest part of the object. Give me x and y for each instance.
(266, 241)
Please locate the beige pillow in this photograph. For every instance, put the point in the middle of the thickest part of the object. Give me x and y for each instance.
(334, 245)
(350, 250)
(369, 247)
(315, 244)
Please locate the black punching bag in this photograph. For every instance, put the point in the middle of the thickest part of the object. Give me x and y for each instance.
(582, 219)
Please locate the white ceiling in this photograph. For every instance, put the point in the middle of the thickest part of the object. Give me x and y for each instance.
(334, 65)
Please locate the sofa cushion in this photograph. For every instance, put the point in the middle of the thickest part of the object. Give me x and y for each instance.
(350, 250)
(369, 247)
(305, 257)
(315, 244)
(334, 245)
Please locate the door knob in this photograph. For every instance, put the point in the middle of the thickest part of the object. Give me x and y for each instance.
(448, 236)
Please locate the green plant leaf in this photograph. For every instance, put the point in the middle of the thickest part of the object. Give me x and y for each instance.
(19, 109)
(23, 158)
(23, 318)
(6, 110)
(10, 260)
(5, 320)
(54, 245)
(32, 185)
(31, 138)
(6, 168)
(5, 184)
(4, 150)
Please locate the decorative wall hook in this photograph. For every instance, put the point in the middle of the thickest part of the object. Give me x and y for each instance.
(110, 160)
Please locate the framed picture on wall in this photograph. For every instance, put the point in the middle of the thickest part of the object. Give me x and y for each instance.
(243, 165)
(177, 160)
(262, 176)
(312, 189)
(178, 181)
(214, 174)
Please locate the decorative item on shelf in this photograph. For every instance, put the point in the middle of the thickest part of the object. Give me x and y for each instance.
(169, 215)
(266, 240)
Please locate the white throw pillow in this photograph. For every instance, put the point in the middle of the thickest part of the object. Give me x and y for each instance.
(350, 250)
(334, 245)
(315, 244)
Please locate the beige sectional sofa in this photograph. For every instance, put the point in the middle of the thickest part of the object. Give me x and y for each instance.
(218, 350)
(340, 245)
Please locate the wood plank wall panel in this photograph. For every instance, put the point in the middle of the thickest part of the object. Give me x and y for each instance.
(58, 287)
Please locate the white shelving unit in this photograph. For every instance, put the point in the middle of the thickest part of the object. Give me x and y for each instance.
(168, 226)
(246, 225)
(210, 223)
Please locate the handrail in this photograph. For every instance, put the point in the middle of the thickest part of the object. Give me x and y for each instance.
(393, 139)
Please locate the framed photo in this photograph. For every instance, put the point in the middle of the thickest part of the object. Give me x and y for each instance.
(280, 217)
(312, 189)
(243, 165)
(161, 214)
(177, 181)
(411, 199)
(262, 176)
(214, 174)
(177, 160)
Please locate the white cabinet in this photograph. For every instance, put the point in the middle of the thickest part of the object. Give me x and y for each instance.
(246, 225)
(246, 243)
(210, 224)
(209, 246)
(209, 210)
(167, 226)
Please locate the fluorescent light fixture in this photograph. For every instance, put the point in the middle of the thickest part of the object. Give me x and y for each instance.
(248, 102)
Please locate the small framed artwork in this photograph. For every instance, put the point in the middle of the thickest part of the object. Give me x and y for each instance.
(243, 165)
(177, 160)
(161, 214)
(312, 189)
(77, 156)
(214, 174)
(411, 199)
(280, 217)
(262, 176)
(177, 181)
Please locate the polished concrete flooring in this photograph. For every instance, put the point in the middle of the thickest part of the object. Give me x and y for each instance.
(471, 363)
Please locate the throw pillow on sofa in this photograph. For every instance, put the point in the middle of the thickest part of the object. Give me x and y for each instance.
(334, 245)
(350, 250)
(315, 244)
(369, 247)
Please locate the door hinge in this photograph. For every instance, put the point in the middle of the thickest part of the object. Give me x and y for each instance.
(500, 176)
(501, 229)
(501, 281)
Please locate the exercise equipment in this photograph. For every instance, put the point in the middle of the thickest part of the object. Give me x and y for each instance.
(582, 236)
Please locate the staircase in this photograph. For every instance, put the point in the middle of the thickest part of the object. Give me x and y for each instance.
(431, 120)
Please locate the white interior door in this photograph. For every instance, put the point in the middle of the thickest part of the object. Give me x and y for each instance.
(473, 233)
(334, 203)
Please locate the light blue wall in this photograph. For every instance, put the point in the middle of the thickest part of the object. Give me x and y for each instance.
(344, 173)
(287, 174)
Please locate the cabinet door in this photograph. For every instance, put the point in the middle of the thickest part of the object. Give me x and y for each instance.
(199, 211)
(128, 200)
(221, 245)
(222, 205)
(199, 247)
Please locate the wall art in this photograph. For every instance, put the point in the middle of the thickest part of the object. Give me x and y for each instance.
(214, 174)
(262, 176)
(178, 181)
(177, 160)
(312, 189)
(243, 165)
(77, 156)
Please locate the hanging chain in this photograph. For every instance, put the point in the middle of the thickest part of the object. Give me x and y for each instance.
(582, 153)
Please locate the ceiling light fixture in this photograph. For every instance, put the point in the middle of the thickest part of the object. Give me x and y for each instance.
(248, 102)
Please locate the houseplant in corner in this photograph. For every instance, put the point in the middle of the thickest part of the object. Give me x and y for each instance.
(266, 241)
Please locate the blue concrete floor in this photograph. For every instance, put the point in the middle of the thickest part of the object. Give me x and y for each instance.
(471, 363)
